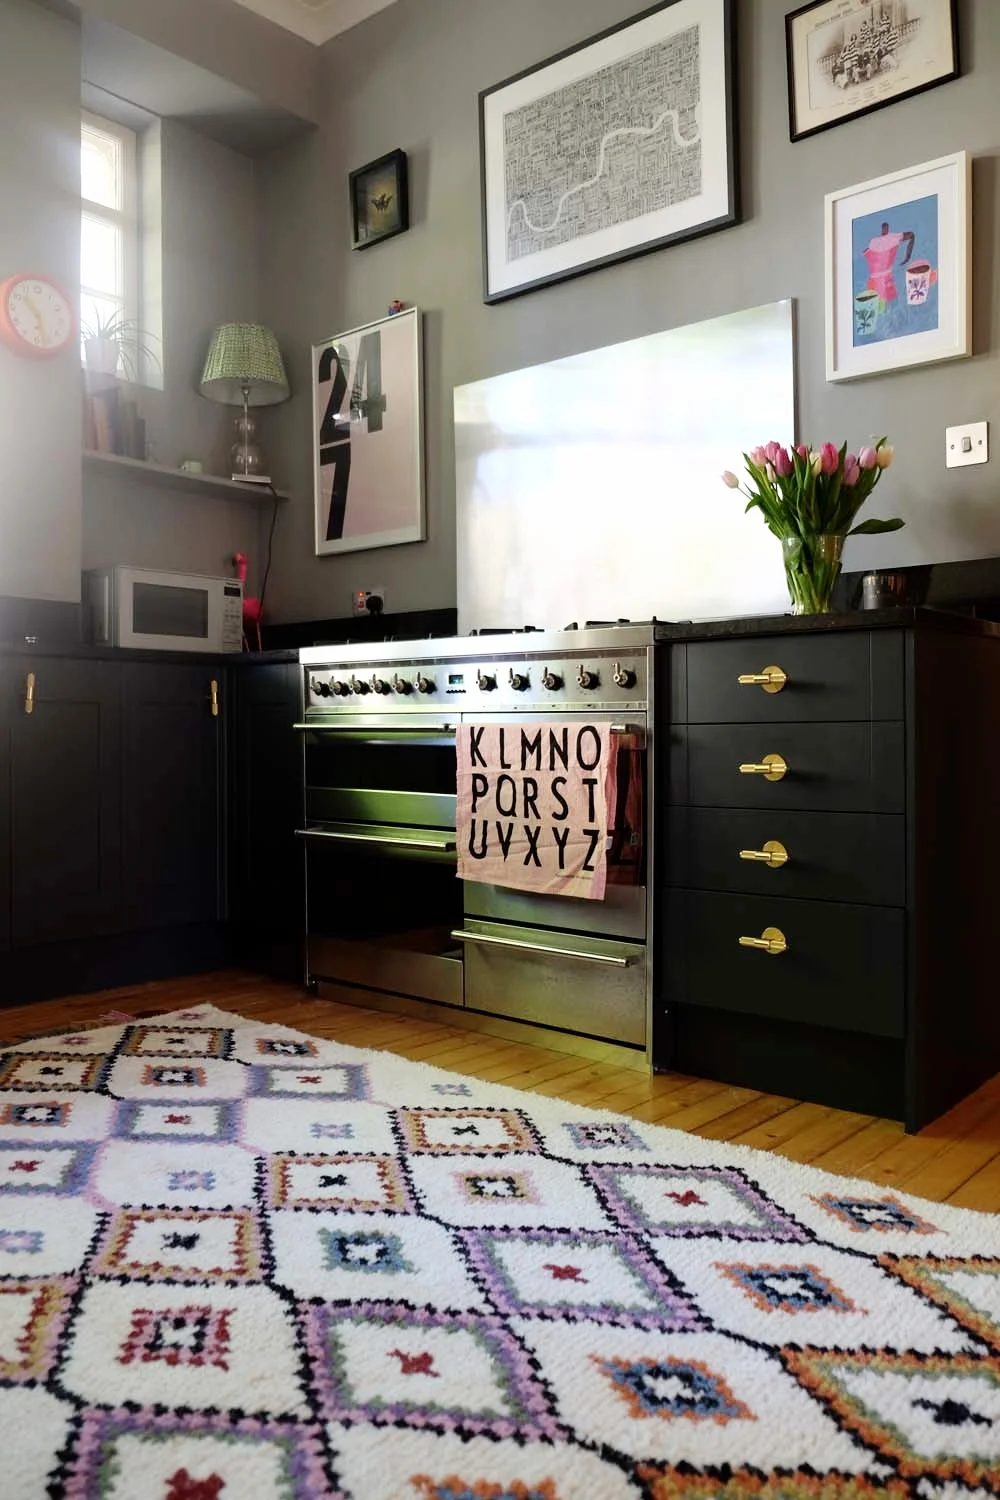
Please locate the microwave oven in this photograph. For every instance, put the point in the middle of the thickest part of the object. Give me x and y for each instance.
(148, 610)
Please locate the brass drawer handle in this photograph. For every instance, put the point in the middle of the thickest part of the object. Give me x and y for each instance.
(773, 767)
(771, 679)
(774, 855)
(213, 697)
(29, 693)
(772, 940)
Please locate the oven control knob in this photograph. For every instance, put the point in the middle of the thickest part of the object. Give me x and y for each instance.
(321, 689)
(519, 681)
(486, 682)
(551, 681)
(359, 687)
(380, 686)
(425, 685)
(587, 679)
(401, 685)
(624, 676)
(340, 689)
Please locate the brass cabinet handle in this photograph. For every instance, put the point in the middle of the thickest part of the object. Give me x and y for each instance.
(213, 697)
(772, 767)
(29, 693)
(774, 855)
(771, 679)
(772, 940)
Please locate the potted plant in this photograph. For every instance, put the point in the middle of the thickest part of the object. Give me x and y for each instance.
(809, 499)
(112, 342)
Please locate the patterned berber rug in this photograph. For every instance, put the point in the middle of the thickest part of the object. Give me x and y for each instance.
(240, 1263)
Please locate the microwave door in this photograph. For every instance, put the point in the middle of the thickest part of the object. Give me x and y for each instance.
(164, 610)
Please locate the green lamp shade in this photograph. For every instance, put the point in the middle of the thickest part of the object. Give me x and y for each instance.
(244, 357)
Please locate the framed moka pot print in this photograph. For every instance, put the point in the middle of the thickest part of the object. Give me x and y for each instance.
(621, 145)
(368, 436)
(899, 270)
(849, 57)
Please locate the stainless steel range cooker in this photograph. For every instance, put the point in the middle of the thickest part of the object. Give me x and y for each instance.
(388, 922)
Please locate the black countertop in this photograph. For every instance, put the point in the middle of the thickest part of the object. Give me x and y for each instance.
(82, 652)
(897, 618)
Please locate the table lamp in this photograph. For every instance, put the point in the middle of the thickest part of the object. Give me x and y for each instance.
(243, 366)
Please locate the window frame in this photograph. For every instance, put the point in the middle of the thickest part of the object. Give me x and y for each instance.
(125, 218)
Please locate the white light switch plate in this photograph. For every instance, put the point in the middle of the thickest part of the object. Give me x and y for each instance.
(967, 445)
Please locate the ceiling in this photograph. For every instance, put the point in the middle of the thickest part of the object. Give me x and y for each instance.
(316, 20)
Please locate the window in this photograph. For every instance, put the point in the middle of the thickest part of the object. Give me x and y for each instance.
(109, 239)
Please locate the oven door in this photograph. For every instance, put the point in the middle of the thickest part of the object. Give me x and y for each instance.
(382, 895)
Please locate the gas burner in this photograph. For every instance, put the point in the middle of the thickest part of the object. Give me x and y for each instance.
(600, 624)
(510, 630)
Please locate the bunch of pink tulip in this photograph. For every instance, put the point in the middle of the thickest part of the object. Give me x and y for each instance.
(803, 491)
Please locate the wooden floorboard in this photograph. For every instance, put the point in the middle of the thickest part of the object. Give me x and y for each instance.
(954, 1160)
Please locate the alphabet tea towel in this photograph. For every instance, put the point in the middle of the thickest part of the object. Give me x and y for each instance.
(534, 806)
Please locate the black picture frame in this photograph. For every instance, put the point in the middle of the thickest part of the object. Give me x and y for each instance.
(804, 61)
(380, 200)
(603, 238)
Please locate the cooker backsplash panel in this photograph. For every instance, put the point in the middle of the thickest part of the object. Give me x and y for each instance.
(589, 487)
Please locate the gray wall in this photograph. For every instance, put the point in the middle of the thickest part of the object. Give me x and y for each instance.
(39, 231)
(410, 77)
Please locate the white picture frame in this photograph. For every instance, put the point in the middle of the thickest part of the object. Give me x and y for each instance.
(368, 450)
(618, 146)
(899, 270)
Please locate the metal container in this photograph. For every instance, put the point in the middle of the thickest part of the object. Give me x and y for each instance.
(884, 590)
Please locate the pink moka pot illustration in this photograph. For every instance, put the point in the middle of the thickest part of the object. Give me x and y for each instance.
(881, 258)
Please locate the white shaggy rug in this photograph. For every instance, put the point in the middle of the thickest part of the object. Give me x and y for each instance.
(241, 1263)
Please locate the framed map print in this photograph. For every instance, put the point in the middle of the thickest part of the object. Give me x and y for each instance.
(618, 146)
(368, 436)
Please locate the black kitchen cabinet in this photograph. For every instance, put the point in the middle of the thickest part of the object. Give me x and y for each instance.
(62, 747)
(825, 925)
(267, 870)
(173, 791)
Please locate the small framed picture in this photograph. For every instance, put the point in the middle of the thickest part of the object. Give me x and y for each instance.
(368, 447)
(848, 57)
(899, 270)
(380, 204)
(621, 145)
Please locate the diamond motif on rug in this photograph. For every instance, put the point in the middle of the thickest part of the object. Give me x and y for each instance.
(196, 1457)
(181, 1245)
(378, 1362)
(459, 1132)
(51, 1070)
(968, 1290)
(238, 1263)
(692, 1201)
(601, 1278)
(937, 1417)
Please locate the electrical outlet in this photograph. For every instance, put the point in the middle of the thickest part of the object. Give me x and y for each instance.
(967, 445)
(368, 601)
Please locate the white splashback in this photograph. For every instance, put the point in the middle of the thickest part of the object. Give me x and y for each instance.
(589, 487)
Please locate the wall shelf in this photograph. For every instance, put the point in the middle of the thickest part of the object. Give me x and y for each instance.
(212, 486)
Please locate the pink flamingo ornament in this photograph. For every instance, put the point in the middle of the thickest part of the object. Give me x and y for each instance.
(252, 607)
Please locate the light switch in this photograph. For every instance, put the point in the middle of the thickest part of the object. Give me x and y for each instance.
(969, 444)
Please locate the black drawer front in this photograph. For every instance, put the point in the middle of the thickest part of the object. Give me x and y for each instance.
(831, 767)
(853, 857)
(843, 967)
(854, 674)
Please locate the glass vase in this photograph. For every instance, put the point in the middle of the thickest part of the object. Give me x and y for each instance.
(812, 567)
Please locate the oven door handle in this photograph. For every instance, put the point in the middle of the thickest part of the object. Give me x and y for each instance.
(445, 843)
(365, 731)
(611, 960)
